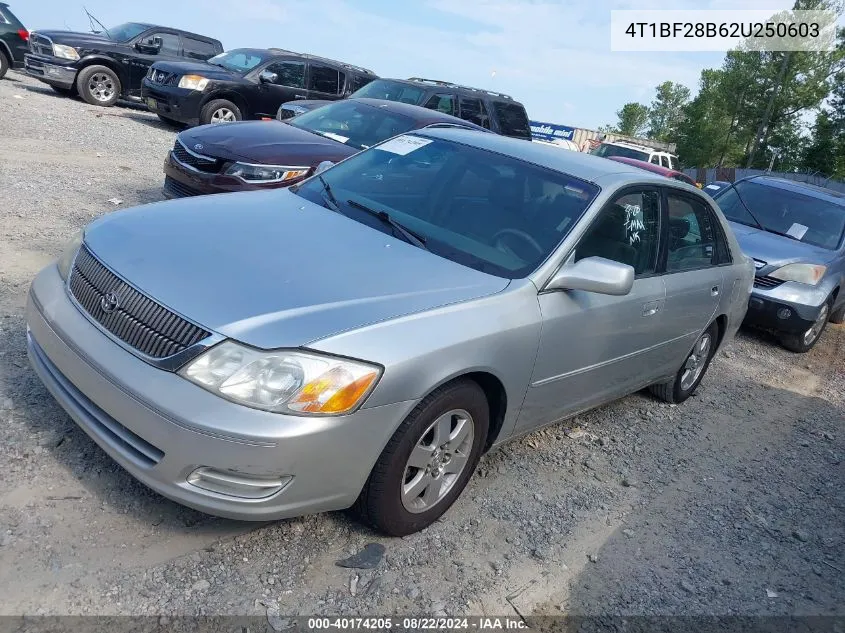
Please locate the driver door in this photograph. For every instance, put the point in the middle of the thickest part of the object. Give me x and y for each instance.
(593, 347)
(288, 83)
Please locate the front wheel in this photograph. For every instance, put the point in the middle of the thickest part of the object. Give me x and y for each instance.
(4, 64)
(99, 86)
(220, 111)
(692, 371)
(805, 341)
(428, 461)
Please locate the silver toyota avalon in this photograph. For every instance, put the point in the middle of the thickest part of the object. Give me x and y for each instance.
(362, 338)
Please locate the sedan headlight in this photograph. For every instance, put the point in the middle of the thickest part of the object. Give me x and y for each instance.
(803, 273)
(300, 383)
(65, 52)
(65, 260)
(193, 82)
(266, 173)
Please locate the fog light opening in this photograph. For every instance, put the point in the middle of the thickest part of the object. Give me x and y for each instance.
(234, 484)
(784, 313)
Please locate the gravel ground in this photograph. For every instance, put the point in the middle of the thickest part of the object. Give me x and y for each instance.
(730, 504)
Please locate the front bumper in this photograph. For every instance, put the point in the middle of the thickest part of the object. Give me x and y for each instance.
(162, 428)
(183, 181)
(177, 104)
(790, 307)
(50, 72)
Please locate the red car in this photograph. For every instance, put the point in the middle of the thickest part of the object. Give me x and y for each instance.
(657, 169)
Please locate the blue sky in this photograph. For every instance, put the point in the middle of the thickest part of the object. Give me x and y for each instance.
(554, 56)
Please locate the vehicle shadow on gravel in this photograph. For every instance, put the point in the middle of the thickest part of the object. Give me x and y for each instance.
(749, 526)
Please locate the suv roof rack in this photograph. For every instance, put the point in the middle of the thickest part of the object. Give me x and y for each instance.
(451, 84)
(360, 69)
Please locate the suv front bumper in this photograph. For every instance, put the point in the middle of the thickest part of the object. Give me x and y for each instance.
(171, 102)
(55, 74)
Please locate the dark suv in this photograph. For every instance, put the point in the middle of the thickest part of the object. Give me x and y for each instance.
(246, 83)
(13, 40)
(491, 110)
(103, 67)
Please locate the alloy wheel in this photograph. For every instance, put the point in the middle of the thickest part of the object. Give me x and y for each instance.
(101, 87)
(223, 115)
(696, 361)
(816, 329)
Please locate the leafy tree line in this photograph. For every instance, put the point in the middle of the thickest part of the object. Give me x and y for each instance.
(752, 111)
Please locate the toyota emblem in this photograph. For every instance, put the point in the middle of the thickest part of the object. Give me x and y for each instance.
(199, 147)
(109, 302)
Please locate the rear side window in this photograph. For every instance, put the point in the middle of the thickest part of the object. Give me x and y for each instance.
(473, 110)
(3, 18)
(444, 103)
(675, 163)
(512, 119)
(198, 49)
(695, 240)
(356, 82)
(664, 161)
(324, 79)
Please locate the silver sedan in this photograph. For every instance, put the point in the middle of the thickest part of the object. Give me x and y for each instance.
(364, 337)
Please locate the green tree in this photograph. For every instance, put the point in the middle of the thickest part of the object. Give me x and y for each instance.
(820, 154)
(667, 110)
(633, 118)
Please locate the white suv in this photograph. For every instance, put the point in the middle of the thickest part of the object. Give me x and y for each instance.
(637, 152)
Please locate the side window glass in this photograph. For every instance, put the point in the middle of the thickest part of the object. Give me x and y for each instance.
(473, 110)
(289, 74)
(441, 103)
(654, 159)
(197, 49)
(170, 43)
(626, 231)
(664, 160)
(692, 235)
(324, 79)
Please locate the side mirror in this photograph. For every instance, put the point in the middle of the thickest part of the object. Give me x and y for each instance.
(323, 167)
(594, 274)
(151, 47)
(267, 77)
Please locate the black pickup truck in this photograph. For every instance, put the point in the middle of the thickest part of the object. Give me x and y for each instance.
(106, 66)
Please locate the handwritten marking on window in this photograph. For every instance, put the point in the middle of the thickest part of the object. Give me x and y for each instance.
(633, 223)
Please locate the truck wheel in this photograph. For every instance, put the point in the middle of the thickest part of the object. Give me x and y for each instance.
(220, 111)
(4, 64)
(99, 86)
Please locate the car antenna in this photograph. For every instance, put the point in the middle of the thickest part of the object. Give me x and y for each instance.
(92, 19)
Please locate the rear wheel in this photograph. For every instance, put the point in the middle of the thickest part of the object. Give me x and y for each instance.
(220, 111)
(4, 64)
(805, 341)
(428, 461)
(692, 371)
(99, 86)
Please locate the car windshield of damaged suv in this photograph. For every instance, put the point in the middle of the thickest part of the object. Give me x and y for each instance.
(353, 123)
(478, 208)
(125, 32)
(239, 60)
(803, 218)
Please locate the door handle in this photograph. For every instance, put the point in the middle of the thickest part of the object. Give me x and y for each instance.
(714, 291)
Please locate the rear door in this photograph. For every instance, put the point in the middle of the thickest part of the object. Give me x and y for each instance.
(694, 259)
(288, 84)
(325, 81)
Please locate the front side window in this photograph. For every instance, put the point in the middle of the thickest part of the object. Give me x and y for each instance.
(324, 79)
(606, 150)
(692, 235)
(513, 120)
(391, 91)
(354, 123)
(171, 44)
(484, 210)
(198, 49)
(800, 217)
(239, 60)
(473, 110)
(626, 231)
(444, 103)
(288, 74)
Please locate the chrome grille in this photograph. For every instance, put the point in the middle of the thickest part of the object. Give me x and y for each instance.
(40, 45)
(766, 282)
(136, 319)
(162, 77)
(194, 160)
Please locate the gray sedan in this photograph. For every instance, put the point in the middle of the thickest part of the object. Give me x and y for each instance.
(362, 338)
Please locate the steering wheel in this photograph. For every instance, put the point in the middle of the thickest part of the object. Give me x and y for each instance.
(522, 235)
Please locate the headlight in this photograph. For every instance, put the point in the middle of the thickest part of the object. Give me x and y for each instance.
(65, 260)
(266, 173)
(65, 52)
(193, 82)
(803, 273)
(283, 381)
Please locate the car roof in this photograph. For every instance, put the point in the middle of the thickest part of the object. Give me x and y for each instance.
(645, 148)
(437, 83)
(581, 165)
(829, 195)
(420, 114)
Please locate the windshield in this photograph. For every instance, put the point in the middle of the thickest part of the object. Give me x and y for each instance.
(353, 123)
(804, 218)
(126, 32)
(482, 209)
(239, 60)
(391, 91)
(606, 149)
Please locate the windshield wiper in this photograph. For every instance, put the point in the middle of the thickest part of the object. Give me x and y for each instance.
(328, 196)
(753, 217)
(410, 236)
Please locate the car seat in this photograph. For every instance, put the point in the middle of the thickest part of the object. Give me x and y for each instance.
(608, 238)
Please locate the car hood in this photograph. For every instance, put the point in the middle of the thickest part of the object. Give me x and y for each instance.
(777, 250)
(271, 269)
(73, 38)
(197, 68)
(267, 142)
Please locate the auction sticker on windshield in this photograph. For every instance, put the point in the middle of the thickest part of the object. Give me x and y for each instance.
(797, 231)
(403, 145)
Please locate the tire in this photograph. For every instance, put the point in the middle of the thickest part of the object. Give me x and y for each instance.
(458, 406)
(805, 341)
(220, 111)
(4, 64)
(99, 86)
(679, 389)
(65, 92)
(838, 316)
